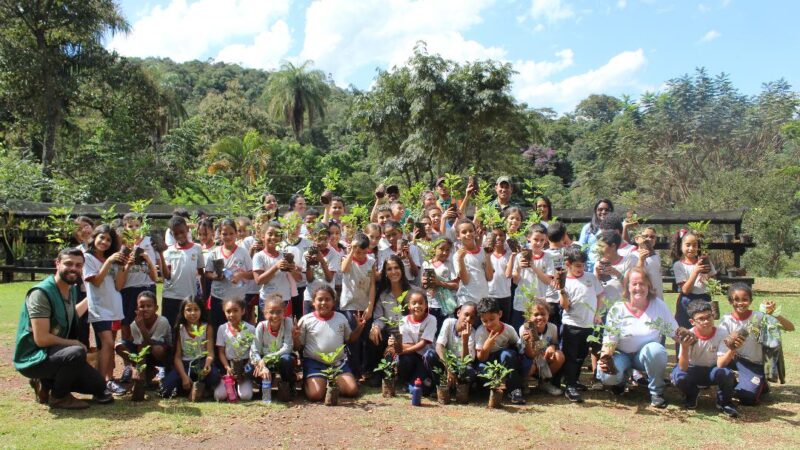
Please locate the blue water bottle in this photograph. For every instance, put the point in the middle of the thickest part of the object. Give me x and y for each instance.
(266, 391)
(416, 393)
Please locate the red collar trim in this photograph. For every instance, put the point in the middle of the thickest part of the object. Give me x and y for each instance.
(619, 260)
(633, 313)
(536, 258)
(477, 250)
(320, 317)
(705, 338)
(222, 251)
(411, 319)
(189, 245)
(436, 263)
(624, 244)
(269, 328)
(272, 255)
(743, 318)
(233, 330)
(325, 251)
(360, 263)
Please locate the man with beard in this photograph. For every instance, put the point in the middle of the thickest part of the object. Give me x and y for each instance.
(47, 350)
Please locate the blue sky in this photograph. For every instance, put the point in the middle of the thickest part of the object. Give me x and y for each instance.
(564, 50)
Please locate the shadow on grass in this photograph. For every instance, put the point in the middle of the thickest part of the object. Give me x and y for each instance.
(125, 409)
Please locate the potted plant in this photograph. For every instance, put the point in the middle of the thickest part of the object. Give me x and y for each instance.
(746, 238)
(727, 237)
(330, 181)
(457, 373)
(131, 238)
(714, 288)
(139, 362)
(355, 219)
(442, 387)
(272, 363)
(388, 366)
(197, 352)
(241, 350)
(495, 374)
(393, 322)
(331, 373)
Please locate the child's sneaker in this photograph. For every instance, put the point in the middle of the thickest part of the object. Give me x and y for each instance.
(160, 374)
(573, 395)
(103, 399)
(618, 389)
(658, 401)
(516, 397)
(690, 402)
(115, 388)
(127, 374)
(549, 388)
(729, 410)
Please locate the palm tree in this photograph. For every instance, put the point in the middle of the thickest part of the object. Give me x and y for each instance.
(294, 91)
(244, 158)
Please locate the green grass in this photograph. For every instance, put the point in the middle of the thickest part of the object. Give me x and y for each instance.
(372, 421)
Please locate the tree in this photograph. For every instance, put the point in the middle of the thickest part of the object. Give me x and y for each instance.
(294, 92)
(45, 48)
(245, 158)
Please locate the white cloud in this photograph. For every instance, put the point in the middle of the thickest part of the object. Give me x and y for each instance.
(185, 30)
(343, 36)
(703, 8)
(710, 36)
(551, 10)
(266, 51)
(621, 4)
(619, 73)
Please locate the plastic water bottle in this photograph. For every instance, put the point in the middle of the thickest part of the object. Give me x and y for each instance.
(266, 391)
(416, 393)
(230, 388)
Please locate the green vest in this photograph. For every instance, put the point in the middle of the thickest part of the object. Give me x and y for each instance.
(26, 352)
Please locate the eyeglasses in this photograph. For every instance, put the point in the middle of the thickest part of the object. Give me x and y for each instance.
(648, 236)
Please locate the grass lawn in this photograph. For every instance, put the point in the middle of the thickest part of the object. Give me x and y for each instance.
(371, 421)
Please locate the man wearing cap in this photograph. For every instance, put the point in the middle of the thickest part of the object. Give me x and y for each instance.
(444, 199)
(504, 189)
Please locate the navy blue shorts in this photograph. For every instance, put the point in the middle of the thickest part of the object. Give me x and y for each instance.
(313, 368)
(103, 325)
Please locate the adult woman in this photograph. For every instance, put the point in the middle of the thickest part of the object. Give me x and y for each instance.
(601, 210)
(545, 209)
(297, 203)
(631, 340)
(428, 199)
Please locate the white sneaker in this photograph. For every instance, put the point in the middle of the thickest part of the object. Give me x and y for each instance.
(549, 388)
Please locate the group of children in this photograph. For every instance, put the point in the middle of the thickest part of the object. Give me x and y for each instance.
(254, 302)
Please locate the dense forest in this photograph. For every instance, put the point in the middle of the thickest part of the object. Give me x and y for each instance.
(79, 124)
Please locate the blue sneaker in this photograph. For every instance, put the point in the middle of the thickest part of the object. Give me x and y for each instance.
(115, 388)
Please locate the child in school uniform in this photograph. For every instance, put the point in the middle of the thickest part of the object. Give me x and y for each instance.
(580, 298)
(150, 329)
(691, 273)
(472, 265)
(323, 267)
(496, 341)
(273, 337)
(541, 357)
(237, 268)
(702, 349)
(747, 355)
(440, 281)
(229, 335)
(418, 330)
(324, 331)
(358, 295)
(271, 270)
(532, 276)
(457, 335)
(502, 264)
(184, 262)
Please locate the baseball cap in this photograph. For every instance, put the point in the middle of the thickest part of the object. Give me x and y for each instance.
(504, 179)
(439, 181)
